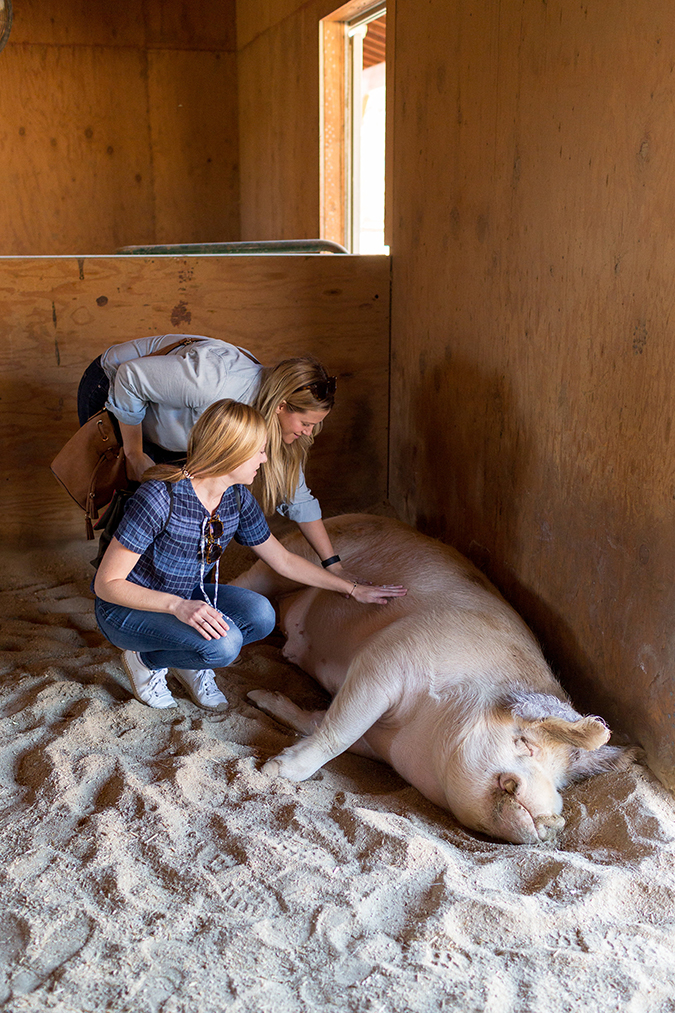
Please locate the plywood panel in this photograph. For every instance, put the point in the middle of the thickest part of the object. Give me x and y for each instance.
(210, 24)
(193, 107)
(76, 161)
(184, 24)
(279, 120)
(255, 17)
(97, 104)
(57, 314)
(533, 354)
(78, 22)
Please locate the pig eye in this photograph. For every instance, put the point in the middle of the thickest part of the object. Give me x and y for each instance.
(523, 747)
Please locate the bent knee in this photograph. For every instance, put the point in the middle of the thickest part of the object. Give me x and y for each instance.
(222, 652)
(265, 619)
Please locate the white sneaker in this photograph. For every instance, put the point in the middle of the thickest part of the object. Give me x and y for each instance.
(148, 684)
(201, 685)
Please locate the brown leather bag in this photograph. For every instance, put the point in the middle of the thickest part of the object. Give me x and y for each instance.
(91, 467)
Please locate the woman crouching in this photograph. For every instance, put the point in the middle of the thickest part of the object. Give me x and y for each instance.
(152, 598)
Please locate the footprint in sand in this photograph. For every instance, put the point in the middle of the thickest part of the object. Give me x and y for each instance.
(60, 944)
(14, 936)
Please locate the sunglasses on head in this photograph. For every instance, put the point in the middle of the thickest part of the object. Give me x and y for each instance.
(212, 550)
(320, 389)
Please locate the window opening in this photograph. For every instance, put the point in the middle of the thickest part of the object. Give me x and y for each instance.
(353, 127)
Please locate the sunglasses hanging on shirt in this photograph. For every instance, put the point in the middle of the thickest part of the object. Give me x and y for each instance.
(210, 549)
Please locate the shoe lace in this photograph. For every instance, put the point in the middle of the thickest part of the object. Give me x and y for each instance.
(206, 683)
(157, 684)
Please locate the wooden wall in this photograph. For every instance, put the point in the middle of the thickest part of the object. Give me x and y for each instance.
(57, 314)
(533, 353)
(278, 65)
(118, 125)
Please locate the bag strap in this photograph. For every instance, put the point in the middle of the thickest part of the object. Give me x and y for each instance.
(191, 341)
(250, 355)
(91, 511)
(170, 348)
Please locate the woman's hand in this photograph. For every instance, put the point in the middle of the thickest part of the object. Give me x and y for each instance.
(296, 568)
(372, 594)
(203, 618)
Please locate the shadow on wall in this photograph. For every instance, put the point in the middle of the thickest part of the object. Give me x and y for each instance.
(470, 463)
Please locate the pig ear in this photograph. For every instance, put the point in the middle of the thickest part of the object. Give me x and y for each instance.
(559, 719)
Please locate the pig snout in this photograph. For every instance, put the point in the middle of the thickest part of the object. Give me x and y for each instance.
(518, 816)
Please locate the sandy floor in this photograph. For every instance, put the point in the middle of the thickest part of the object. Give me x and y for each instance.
(148, 866)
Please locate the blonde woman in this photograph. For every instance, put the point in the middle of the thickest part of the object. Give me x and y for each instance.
(153, 597)
(158, 387)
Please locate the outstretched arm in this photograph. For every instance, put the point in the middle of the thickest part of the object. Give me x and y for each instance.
(317, 536)
(294, 567)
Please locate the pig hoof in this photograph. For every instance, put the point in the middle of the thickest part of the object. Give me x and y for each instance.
(272, 768)
(548, 826)
(263, 698)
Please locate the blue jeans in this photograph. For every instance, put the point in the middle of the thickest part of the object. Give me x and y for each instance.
(163, 641)
(92, 393)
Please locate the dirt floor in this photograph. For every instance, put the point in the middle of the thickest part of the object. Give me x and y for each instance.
(147, 864)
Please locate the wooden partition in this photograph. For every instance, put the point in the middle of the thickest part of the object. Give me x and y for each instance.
(119, 125)
(59, 313)
(533, 350)
(278, 68)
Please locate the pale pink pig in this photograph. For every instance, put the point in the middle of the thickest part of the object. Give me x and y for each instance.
(448, 685)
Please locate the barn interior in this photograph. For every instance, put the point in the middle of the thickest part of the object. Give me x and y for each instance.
(503, 378)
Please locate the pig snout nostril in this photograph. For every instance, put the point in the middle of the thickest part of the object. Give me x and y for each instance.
(548, 826)
(509, 783)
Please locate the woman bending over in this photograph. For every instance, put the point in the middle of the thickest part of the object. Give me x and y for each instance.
(157, 388)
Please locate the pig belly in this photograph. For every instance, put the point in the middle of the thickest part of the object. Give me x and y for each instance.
(324, 631)
(408, 749)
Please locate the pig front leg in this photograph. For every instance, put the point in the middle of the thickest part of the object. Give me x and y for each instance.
(280, 707)
(305, 722)
(360, 702)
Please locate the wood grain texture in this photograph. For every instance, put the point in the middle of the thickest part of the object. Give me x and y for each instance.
(332, 140)
(533, 356)
(184, 24)
(57, 314)
(78, 23)
(76, 153)
(195, 160)
(256, 17)
(279, 118)
(168, 24)
(118, 126)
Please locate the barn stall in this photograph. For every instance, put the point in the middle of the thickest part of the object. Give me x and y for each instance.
(522, 328)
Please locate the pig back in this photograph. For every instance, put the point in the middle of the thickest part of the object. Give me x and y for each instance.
(456, 622)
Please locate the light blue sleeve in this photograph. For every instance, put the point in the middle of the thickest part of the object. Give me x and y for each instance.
(303, 507)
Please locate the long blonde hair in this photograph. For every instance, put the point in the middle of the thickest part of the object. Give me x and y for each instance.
(287, 384)
(223, 437)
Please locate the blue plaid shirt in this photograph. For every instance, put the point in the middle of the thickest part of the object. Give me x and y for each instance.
(170, 557)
